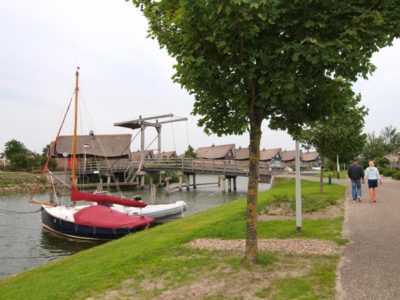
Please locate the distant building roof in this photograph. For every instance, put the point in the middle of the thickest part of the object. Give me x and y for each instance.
(310, 156)
(136, 156)
(217, 152)
(289, 155)
(167, 154)
(242, 153)
(103, 145)
(268, 154)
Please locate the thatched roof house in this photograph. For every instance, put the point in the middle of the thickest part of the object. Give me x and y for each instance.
(242, 153)
(289, 156)
(102, 145)
(311, 159)
(224, 152)
(270, 154)
(167, 155)
(310, 156)
(137, 156)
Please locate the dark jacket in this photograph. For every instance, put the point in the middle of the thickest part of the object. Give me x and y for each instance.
(355, 171)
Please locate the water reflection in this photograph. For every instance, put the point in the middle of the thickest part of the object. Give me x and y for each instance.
(24, 245)
(61, 246)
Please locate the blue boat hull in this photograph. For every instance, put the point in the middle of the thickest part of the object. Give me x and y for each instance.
(73, 230)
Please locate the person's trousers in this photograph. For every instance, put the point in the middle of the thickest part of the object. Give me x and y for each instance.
(356, 188)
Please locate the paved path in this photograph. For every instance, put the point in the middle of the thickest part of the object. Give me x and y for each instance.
(370, 267)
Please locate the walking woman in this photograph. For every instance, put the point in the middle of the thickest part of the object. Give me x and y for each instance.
(372, 175)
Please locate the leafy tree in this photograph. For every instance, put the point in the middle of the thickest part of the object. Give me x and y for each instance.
(382, 162)
(15, 152)
(373, 148)
(190, 152)
(391, 138)
(247, 61)
(339, 134)
(12, 148)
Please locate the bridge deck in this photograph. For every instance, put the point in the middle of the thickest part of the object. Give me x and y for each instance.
(186, 166)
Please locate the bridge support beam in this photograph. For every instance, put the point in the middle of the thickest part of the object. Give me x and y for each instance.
(141, 175)
(222, 180)
(167, 191)
(194, 181)
(187, 182)
(152, 193)
(180, 180)
(234, 184)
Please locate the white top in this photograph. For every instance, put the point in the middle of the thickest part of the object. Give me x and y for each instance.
(372, 173)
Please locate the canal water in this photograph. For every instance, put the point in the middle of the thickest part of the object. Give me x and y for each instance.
(24, 245)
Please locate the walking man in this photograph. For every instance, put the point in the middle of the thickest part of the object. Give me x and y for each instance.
(356, 175)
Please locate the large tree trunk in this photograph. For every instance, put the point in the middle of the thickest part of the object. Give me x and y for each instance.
(252, 192)
(321, 176)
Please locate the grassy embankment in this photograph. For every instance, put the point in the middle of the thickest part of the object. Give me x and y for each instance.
(157, 261)
(16, 178)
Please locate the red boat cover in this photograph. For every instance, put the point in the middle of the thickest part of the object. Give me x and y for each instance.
(103, 216)
(77, 195)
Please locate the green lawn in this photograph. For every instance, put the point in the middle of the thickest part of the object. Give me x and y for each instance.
(326, 174)
(157, 261)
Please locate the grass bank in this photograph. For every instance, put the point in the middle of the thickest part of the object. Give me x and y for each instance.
(157, 262)
(16, 178)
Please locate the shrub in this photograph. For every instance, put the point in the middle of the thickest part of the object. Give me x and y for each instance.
(396, 175)
(388, 172)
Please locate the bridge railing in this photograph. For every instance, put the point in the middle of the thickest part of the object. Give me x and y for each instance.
(228, 167)
(185, 165)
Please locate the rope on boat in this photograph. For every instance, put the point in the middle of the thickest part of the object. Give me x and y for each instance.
(51, 150)
(59, 179)
(54, 189)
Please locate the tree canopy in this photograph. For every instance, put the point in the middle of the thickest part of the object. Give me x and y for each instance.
(246, 61)
(391, 138)
(340, 133)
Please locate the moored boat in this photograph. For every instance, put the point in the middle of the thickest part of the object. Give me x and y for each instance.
(90, 222)
(156, 211)
(98, 222)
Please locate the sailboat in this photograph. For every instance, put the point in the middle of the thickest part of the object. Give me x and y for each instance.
(95, 221)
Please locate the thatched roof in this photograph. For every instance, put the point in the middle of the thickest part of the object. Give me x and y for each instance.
(216, 152)
(242, 153)
(103, 145)
(310, 156)
(136, 156)
(166, 154)
(268, 154)
(289, 155)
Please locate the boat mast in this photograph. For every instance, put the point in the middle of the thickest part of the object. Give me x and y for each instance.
(73, 180)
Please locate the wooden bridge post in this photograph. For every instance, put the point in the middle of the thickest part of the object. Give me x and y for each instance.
(167, 186)
(234, 183)
(187, 182)
(180, 178)
(194, 181)
(223, 186)
(141, 175)
(229, 184)
(152, 193)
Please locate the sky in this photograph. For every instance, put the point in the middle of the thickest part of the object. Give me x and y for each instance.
(123, 74)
